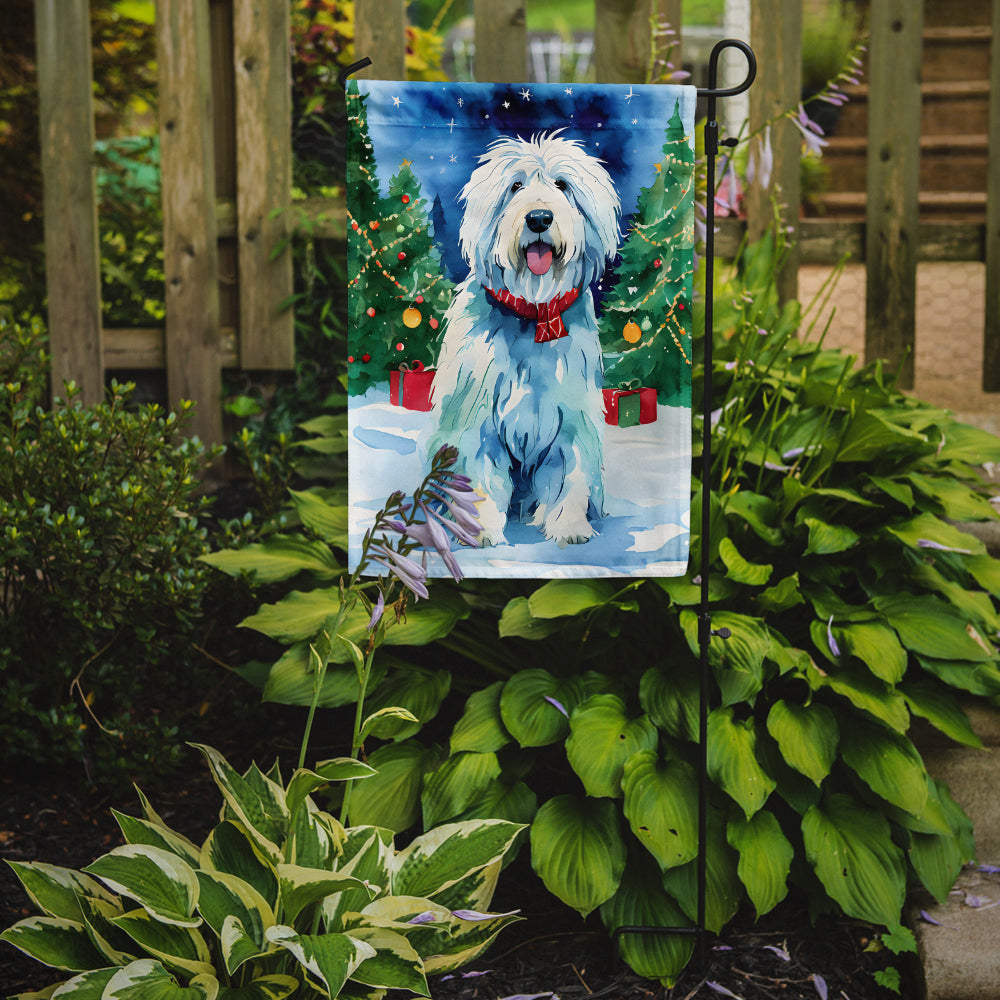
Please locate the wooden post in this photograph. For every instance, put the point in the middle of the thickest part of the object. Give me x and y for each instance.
(72, 256)
(623, 40)
(776, 34)
(190, 253)
(501, 41)
(380, 34)
(893, 183)
(991, 333)
(667, 14)
(262, 60)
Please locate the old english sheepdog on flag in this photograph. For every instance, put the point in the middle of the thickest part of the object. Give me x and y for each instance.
(520, 263)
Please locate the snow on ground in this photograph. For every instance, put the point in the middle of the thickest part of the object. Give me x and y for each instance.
(647, 490)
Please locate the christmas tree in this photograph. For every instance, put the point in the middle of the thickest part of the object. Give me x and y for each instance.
(646, 318)
(397, 292)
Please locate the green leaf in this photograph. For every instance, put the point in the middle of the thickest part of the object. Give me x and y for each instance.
(601, 739)
(225, 897)
(327, 520)
(385, 723)
(640, 901)
(147, 979)
(517, 620)
(661, 798)
(738, 661)
(828, 539)
(279, 558)
(292, 680)
(958, 502)
(330, 959)
(965, 443)
(931, 628)
(870, 435)
(163, 884)
(937, 859)
(395, 964)
(941, 709)
(141, 831)
(391, 798)
(866, 692)
(181, 948)
(850, 848)
(758, 511)
(86, 986)
(888, 763)
(732, 760)
(230, 849)
(481, 728)
(986, 571)
(927, 527)
(765, 858)
(276, 987)
(876, 646)
(976, 678)
(738, 569)
(527, 711)
(577, 850)
(301, 887)
(56, 891)
(559, 598)
(807, 736)
(54, 941)
(304, 782)
(516, 803)
(416, 689)
(456, 784)
(671, 700)
(783, 595)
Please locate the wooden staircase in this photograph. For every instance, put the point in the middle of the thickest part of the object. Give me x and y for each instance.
(955, 91)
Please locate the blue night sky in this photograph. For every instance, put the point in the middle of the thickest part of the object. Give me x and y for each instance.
(443, 128)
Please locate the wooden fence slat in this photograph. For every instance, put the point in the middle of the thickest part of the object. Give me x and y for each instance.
(991, 331)
(380, 34)
(261, 57)
(622, 40)
(776, 36)
(190, 252)
(72, 256)
(893, 184)
(501, 41)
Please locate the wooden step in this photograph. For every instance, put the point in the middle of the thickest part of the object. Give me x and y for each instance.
(945, 12)
(958, 206)
(947, 106)
(956, 53)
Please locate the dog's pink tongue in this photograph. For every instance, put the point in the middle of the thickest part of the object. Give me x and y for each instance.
(539, 257)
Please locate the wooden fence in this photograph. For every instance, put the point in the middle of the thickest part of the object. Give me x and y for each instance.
(226, 161)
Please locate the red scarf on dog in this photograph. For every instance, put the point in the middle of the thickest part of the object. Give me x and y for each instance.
(550, 325)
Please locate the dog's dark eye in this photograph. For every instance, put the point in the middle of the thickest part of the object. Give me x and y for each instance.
(561, 184)
(516, 186)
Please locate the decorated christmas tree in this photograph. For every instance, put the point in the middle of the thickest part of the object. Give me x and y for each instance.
(646, 317)
(398, 293)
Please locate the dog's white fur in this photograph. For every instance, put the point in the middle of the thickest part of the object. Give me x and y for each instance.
(527, 417)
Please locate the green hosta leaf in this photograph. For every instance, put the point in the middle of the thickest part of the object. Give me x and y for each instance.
(958, 502)
(180, 948)
(807, 736)
(274, 987)
(231, 850)
(976, 678)
(238, 944)
(330, 959)
(893, 488)
(226, 898)
(738, 569)
(732, 760)
(327, 520)
(827, 539)
(850, 847)
(530, 706)
(516, 803)
(941, 709)
(937, 859)
(965, 443)
(578, 851)
(391, 798)
(932, 628)
(765, 858)
(928, 528)
(870, 435)
(866, 692)
(456, 784)
(481, 728)
(301, 887)
(56, 891)
(441, 857)
(291, 680)
(559, 598)
(517, 620)
(641, 901)
(386, 723)
(279, 558)
(876, 646)
(723, 889)
(141, 831)
(159, 881)
(417, 690)
(783, 595)
(147, 979)
(975, 605)
(888, 763)
(395, 964)
(671, 700)
(758, 511)
(54, 941)
(602, 738)
(661, 798)
(304, 782)
(986, 571)
(738, 661)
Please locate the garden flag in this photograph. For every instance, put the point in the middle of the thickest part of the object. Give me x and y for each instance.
(520, 262)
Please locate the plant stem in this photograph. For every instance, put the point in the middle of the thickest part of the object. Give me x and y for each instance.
(359, 715)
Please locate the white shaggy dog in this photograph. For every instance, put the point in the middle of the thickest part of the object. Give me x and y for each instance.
(518, 383)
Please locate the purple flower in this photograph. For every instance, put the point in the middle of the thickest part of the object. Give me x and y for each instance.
(377, 611)
(820, 983)
(927, 543)
(834, 648)
(475, 915)
(760, 165)
(410, 573)
(457, 530)
(558, 705)
(719, 988)
(811, 132)
(780, 952)
(427, 917)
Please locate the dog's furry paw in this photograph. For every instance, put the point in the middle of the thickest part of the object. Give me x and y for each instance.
(568, 529)
(492, 523)
(574, 540)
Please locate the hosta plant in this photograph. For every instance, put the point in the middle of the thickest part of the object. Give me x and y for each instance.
(279, 900)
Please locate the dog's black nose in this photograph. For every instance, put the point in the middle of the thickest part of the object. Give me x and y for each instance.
(538, 220)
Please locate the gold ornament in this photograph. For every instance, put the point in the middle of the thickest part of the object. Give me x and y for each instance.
(632, 332)
(411, 317)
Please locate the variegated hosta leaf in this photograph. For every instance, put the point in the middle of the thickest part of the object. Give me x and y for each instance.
(468, 939)
(56, 891)
(274, 987)
(158, 880)
(642, 902)
(850, 847)
(177, 947)
(315, 838)
(329, 959)
(141, 831)
(395, 964)
(230, 849)
(661, 799)
(367, 853)
(441, 857)
(535, 706)
(147, 979)
(481, 727)
(86, 986)
(300, 887)
(98, 915)
(304, 782)
(54, 941)
(602, 737)
(476, 890)
(225, 897)
(807, 736)
(732, 760)
(765, 858)
(578, 851)
(456, 784)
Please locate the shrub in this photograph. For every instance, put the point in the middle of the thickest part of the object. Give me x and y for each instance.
(99, 539)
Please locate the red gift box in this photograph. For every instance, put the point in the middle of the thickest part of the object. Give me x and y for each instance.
(620, 405)
(410, 387)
